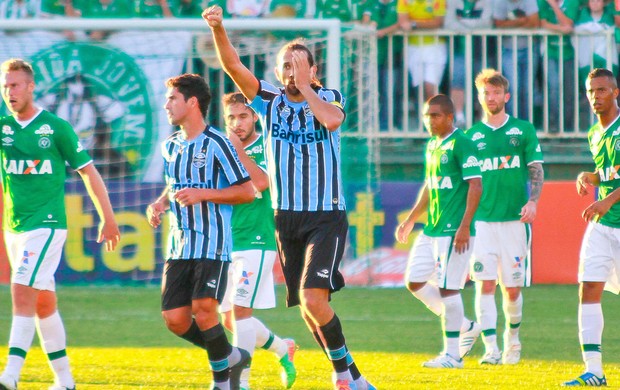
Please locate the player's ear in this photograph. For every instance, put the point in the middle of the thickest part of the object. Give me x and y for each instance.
(506, 97)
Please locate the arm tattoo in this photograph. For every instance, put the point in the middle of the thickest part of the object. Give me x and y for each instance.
(536, 180)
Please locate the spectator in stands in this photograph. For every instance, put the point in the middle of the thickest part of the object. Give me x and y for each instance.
(19, 9)
(188, 8)
(55, 8)
(104, 9)
(559, 16)
(339, 9)
(382, 14)
(427, 55)
(466, 16)
(153, 9)
(242, 8)
(521, 14)
(288, 8)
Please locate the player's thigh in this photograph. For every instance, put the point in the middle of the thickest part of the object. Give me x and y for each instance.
(484, 263)
(597, 256)
(326, 238)
(252, 275)
(421, 262)
(435, 57)
(35, 256)
(452, 267)
(515, 267)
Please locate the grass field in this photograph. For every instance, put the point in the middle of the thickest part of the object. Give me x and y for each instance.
(118, 341)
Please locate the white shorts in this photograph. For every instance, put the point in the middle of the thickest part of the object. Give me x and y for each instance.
(599, 259)
(502, 253)
(34, 256)
(427, 63)
(433, 259)
(250, 280)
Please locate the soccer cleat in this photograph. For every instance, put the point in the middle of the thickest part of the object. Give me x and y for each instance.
(344, 384)
(363, 384)
(444, 361)
(512, 354)
(492, 358)
(468, 338)
(235, 371)
(587, 379)
(289, 373)
(7, 383)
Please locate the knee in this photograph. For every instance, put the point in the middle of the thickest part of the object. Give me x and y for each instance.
(177, 324)
(487, 287)
(313, 302)
(46, 304)
(513, 294)
(413, 286)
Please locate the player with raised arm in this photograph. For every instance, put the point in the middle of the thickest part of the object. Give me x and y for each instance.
(204, 178)
(250, 277)
(36, 146)
(302, 140)
(599, 260)
(439, 260)
(510, 157)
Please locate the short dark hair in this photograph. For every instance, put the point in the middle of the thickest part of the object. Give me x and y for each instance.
(232, 98)
(443, 101)
(298, 44)
(601, 72)
(17, 64)
(192, 85)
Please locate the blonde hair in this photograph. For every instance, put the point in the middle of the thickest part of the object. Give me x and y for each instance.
(17, 64)
(493, 77)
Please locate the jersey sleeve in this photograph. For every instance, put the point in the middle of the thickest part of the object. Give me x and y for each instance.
(468, 158)
(532, 151)
(229, 162)
(69, 146)
(333, 97)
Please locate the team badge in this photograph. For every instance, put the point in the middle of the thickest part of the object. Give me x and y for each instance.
(478, 267)
(199, 160)
(44, 142)
(617, 145)
(308, 112)
(444, 158)
(514, 141)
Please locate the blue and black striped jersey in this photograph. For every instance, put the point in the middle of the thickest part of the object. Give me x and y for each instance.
(303, 156)
(203, 230)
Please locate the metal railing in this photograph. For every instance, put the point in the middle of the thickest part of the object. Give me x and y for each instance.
(542, 78)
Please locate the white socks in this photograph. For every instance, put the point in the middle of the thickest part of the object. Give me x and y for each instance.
(54, 343)
(487, 317)
(20, 340)
(514, 313)
(452, 320)
(591, 325)
(429, 295)
(269, 341)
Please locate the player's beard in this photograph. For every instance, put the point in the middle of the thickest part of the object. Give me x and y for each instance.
(499, 107)
(292, 90)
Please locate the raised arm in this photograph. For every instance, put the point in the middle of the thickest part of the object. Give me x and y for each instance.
(108, 229)
(245, 80)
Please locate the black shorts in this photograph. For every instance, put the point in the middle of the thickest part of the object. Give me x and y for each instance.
(311, 245)
(186, 280)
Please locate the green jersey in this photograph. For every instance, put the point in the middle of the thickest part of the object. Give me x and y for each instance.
(605, 148)
(253, 225)
(34, 171)
(504, 155)
(450, 162)
(570, 8)
(115, 9)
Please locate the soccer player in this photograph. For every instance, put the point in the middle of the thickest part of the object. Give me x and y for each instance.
(451, 193)
(599, 263)
(302, 125)
(204, 177)
(36, 145)
(509, 155)
(250, 277)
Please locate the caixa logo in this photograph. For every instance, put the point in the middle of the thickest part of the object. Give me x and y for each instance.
(28, 167)
(106, 98)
